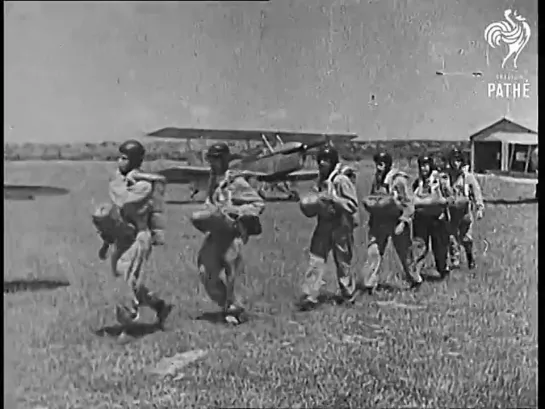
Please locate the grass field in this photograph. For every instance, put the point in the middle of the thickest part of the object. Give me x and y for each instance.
(468, 342)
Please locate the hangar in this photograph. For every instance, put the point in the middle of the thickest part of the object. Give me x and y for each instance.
(504, 146)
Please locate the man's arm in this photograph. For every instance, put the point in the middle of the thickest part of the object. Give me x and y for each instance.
(244, 198)
(475, 189)
(405, 196)
(346, 198)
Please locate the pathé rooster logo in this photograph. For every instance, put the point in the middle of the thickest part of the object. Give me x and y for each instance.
(514, 32)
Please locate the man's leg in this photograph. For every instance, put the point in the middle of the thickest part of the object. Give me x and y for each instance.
(131, 264)
(233, 267)
(320, 245)
(440, 247)
(211, 263)
(454, 242)
(404, 249)
(421, 234)
(466, 237)
(343, 243)
(378, 238)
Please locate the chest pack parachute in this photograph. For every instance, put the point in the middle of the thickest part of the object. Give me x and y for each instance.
(108, 218)
(217, 219)
(384, 202)
(429, 197)
(110, 225)
(316, 203)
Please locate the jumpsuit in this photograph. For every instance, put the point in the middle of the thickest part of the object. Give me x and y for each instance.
(230, 196)
(381, 228)
(464, 184)
(134, 201)
(334, 234)
(431, 226)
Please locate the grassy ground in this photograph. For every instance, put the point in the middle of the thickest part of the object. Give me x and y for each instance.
(468, 342)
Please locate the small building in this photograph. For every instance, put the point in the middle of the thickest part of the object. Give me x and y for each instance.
(504, 146)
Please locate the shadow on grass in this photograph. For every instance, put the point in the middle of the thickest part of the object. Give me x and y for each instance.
(135, 331)
(24, 192)
(389, 288)
(184, 202)
(16, 286)
(433, 278)
(281, 199)
(217, 317)
(511, 201)
(214, 317)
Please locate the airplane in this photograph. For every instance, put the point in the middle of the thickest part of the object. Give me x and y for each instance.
(275, 168)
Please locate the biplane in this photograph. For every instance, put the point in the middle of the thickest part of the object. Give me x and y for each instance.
(276, 168)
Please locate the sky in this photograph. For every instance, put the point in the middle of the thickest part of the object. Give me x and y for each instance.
(93, 72)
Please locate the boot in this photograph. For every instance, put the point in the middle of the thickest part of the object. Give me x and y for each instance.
(468, 246)
(159, 306)
(125, 315)
(234, 315)
(445, 272)
(307, 303)
(162, 310)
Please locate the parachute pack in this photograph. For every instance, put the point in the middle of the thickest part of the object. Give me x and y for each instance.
(108, 219)
(217, 219)
(110, 225)
(385, 203)
(429, 198)
(313, 204)
(213, 220)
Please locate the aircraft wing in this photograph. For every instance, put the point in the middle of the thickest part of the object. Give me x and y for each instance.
(302, 175)
(185, 174)
(298, 176)
(248, 135)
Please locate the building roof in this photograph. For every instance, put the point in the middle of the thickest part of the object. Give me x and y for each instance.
(514, 138)
(520, 132)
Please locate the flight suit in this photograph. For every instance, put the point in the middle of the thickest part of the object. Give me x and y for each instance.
(381, 228)
(232, 198)
(334, 233)
(464, 184)
(134, 199)
(431, 227)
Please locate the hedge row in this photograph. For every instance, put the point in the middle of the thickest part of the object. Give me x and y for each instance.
(169, 150)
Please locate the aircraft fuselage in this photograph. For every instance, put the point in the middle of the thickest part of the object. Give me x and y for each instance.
(275, 167)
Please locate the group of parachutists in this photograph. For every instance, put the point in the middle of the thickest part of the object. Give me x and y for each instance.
(436, 211)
